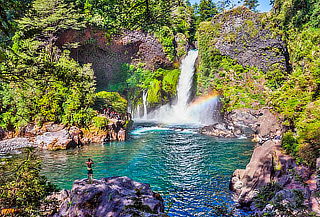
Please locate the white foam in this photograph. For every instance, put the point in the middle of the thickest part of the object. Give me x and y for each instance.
(143, 130)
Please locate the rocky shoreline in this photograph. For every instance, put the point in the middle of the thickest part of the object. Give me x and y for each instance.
(52, 136)
(272, 183)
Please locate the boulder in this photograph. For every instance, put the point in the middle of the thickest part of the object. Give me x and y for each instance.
(218, 130)
(261, 124)
(258, 173)
(14, 144)
(55, 140)
(114, 196)
(76, 135)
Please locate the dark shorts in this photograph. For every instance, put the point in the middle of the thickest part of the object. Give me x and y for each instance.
(90, 172)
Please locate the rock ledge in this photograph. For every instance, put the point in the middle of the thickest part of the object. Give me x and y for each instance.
(114, 196)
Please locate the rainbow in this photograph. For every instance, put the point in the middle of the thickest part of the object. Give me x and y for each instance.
(205, 99)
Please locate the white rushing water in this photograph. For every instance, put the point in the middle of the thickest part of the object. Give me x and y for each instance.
(182, 112)
(144, 100)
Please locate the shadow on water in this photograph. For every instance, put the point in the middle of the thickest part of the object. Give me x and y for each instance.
(190, 170)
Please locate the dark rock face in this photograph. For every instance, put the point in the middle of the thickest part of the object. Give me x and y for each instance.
(110, 197)
(246, 37)
(2, 133)
(107, 55)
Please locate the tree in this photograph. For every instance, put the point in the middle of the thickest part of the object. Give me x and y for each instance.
(41, 82)
(9, 11)
(251, 4)
(207, 10)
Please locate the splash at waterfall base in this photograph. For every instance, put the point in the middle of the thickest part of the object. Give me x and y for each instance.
(203, 110)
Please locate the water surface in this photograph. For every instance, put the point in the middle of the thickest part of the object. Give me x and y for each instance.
(190, 170)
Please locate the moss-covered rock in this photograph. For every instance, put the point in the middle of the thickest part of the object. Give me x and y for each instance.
(249, 38)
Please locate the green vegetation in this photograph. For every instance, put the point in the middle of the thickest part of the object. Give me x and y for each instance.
(161, 85)
(100, 122)
(272, 194)
(111, 99)
(22, 188)
(223, 74)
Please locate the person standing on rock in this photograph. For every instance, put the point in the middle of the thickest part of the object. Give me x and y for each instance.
(89, 169)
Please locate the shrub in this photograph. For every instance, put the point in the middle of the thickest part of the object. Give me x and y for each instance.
(113, 99)
(21, 185)
(100, 122)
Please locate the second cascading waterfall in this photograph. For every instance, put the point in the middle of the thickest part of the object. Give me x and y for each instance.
(199, 111)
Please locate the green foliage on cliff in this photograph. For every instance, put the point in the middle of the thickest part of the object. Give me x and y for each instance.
(223, 74)
(113, 100)
(100, 122)
(161, 85)
(298, 98)
(178, 32)
(21, 185)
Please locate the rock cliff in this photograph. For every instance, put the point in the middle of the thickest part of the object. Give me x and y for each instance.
(109, 197)
(108, 53)
(249, 38)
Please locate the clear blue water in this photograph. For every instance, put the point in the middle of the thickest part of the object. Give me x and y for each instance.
(190, 170)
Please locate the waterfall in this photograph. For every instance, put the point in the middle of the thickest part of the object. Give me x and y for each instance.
(186, 80)
(199, 111)
(138, 111)
(144, 100)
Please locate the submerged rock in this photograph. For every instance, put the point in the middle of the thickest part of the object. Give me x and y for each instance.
(114, 196)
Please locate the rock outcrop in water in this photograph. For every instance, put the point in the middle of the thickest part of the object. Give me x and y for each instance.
(109, 197)
(261, 124)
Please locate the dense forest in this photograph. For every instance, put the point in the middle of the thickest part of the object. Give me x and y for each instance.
(41, 81)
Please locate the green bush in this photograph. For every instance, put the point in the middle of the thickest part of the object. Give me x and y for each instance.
(265, 194)
(154, 93)
(100, 122)
(290, 143)
(21, 185)
(112, 99)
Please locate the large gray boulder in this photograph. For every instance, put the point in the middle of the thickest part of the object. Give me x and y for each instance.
(261, 123)
(109, 197)
(59, 140)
